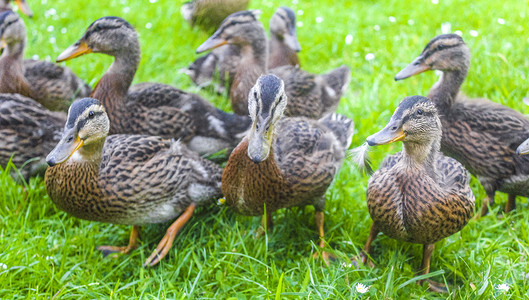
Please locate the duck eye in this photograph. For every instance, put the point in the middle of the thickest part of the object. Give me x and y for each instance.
(419, 111)
(440, 47)
(70, 139)
(91, 115)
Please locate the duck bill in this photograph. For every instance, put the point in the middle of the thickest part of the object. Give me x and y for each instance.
(24, 7)
(75, 50)
(523, 149)
(387, 135)
(415, 67)
(3, 44)
(292, 42)
(64, 149)
(259, 143)
(211, 43)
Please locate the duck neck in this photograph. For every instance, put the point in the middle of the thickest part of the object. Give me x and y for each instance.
(253, 63)
(445, 91)
(422, 155)
(113, 87)
(12, 78)
(79, 193)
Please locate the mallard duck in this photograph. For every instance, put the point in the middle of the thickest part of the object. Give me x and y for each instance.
(309, 95)
(480, 134)
(151, 108)
(51, 85)
(417, 195)
(283, 46)
(28, 132)
(126, 179)
(208, 14)
(284, 162)
(22, 5)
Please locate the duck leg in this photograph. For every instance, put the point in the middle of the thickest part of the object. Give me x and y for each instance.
(319, 219)
(427, 250)
(488, 201)
(511, 203)
(167, 241)
(373, 232)
(133, 244)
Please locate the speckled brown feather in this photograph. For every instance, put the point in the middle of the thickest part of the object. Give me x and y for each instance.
(405, 203)
(302, 163)
(208, 14)
(29, 131)
(309, 95)
(140, 180)
(153, 108)
(53, 86)
(480, 134)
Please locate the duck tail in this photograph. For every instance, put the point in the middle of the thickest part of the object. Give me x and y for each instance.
(337, 82)
(341, 126)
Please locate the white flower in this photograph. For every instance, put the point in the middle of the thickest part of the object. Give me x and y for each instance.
(503, 287)
(473, 33)
(319, 19)
(300, 12)
(362, 289)
(294, 2)
(126, 10)
(50, 28)
(411, 22)
(63, 30)
(148, 25)
(501, 21)
(50, 12)
(347, 265)
(370, 56)
(53, 40)
(3, 266)
(153, 1)
(35, 57)
(376, 27)
(349, 39)
(299, 24)
(392, 19)
(435, 1)
(458, 32)
(446, 27)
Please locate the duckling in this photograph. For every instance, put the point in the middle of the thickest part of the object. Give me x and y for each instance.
(28, 132)
(284, 162)
(22, 5)
(152, 108)
(283, 48)
(480, 134)
(417, 195)
(126, 179)
(51, 85)
(208, 14)
(309, 95)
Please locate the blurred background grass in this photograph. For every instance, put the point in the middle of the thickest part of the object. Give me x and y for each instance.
(45, 253)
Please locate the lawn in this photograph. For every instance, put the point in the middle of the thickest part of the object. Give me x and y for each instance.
(44, 253)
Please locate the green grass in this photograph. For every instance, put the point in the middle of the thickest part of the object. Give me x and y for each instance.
(44, 253)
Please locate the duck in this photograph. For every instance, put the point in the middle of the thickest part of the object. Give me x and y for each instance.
(480, 134)
(284, 162)
(28, 132)
(53, 86)
(310, 95)
(283, 45)
(126, 178)
(208, 14)
(152, 108)
(417, 195)
(22, 5)
(283, 48)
